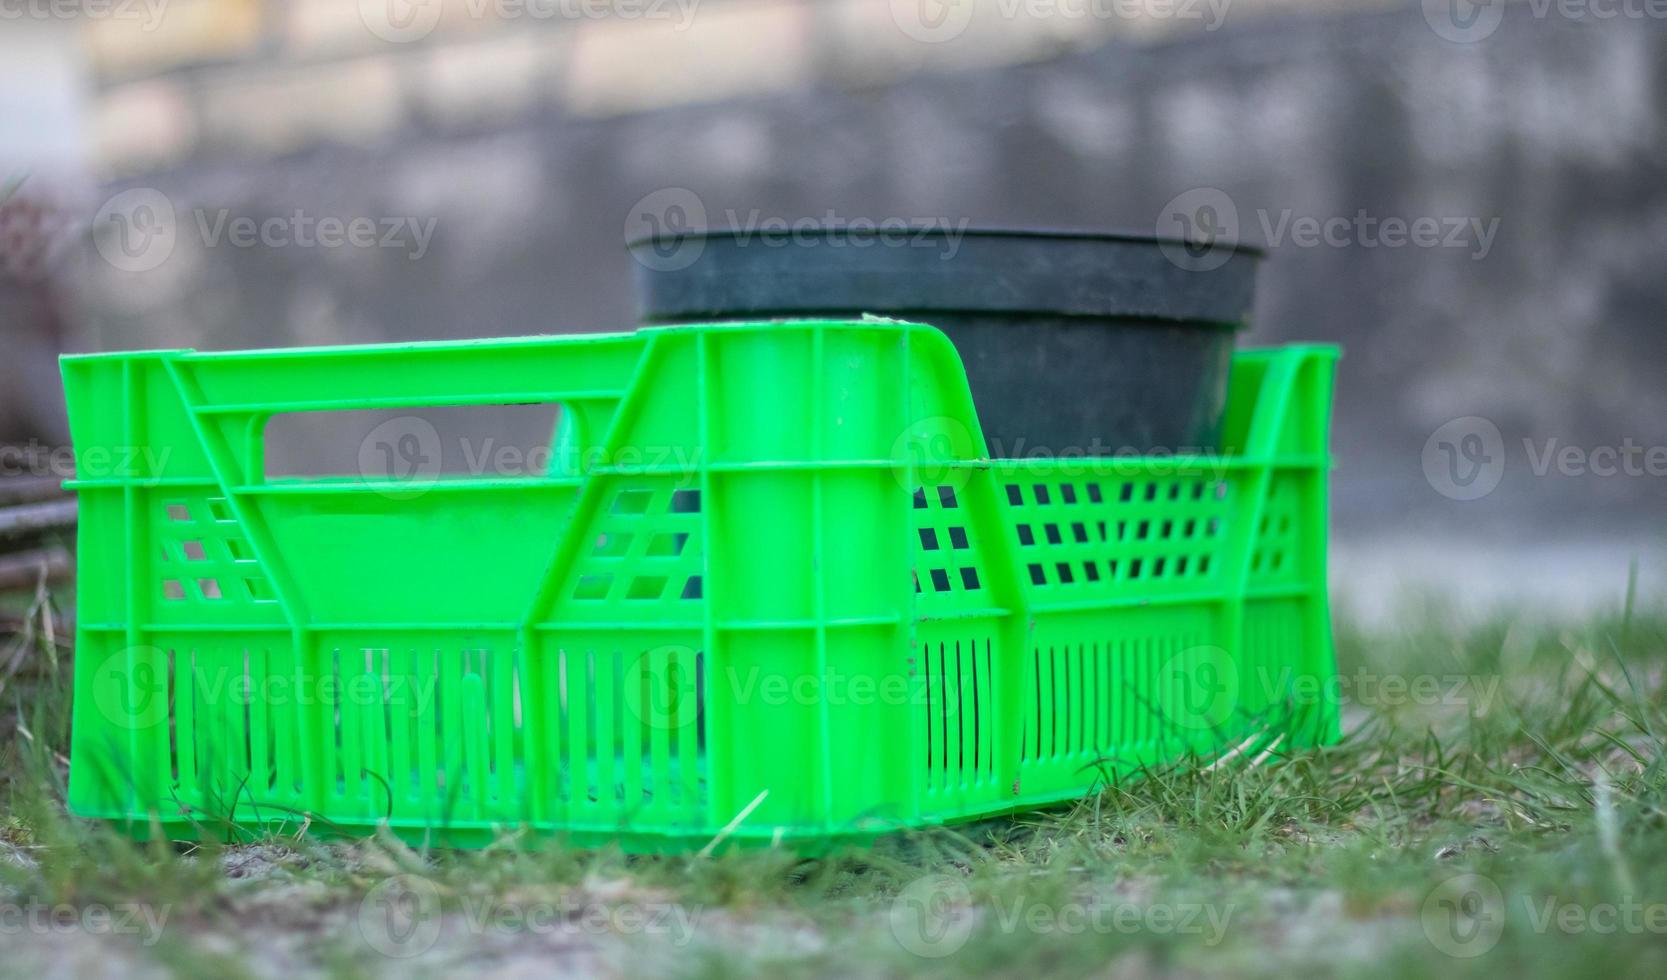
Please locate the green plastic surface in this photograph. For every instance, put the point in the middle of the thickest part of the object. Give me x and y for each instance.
(768, 589)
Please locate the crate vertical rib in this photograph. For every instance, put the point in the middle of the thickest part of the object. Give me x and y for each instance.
(1247, 503)
(718, 784)
(401, 763)
(1312, 425)
(504, 667)
(916, 655)
(137, 544)
(631, 726)
(690, 806)
(819, 548)
(425, 664)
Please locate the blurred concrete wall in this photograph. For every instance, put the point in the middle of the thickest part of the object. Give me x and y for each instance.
(44, 95)
(1539, 153)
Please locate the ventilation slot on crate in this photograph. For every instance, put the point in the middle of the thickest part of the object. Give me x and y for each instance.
(1069, 709)
(1104, 699)
(641, 556)
(1107, 536)
(205, 558)
(1274, 555)
(628, 731)
(947, 559)
(226, 743)
(447, 724)
(959, 723)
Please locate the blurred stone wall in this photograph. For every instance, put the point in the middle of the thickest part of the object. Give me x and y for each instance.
(1538, 151)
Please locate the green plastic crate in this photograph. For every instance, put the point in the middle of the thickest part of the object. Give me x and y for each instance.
(769, 589)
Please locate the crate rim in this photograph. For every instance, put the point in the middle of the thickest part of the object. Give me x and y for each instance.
(600, 337)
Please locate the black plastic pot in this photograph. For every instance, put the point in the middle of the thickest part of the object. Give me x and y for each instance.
(1073, 342)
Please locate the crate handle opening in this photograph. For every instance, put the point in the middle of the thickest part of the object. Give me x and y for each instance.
(474, 441)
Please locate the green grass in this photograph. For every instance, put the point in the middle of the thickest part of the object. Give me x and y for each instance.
(1528, 754)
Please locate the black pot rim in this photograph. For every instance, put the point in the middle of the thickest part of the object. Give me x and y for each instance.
(1119, 235)
(809, 269)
